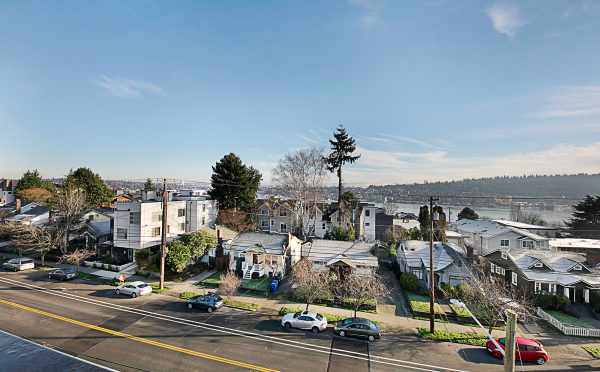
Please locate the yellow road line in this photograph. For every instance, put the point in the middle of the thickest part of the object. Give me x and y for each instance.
(140, 339)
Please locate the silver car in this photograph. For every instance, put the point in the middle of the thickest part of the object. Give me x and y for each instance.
(305, 320)
(19, 264)
(134, 289)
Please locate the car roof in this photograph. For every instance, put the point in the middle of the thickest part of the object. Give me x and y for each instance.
(358, 320)
(527, 341)
(136, 283)
(309, 313)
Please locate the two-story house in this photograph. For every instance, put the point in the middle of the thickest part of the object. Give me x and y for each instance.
(281, 216)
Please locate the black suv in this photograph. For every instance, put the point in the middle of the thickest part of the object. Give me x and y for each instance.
(209, 302)
(62, 274)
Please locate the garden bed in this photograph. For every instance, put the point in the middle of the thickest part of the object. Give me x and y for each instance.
(420, 304)
(465, 338)
(212, 281)
(241, 305)
(594, 350)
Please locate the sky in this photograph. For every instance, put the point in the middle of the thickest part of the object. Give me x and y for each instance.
(430, 89)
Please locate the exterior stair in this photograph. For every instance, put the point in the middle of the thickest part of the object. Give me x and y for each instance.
(248, 273)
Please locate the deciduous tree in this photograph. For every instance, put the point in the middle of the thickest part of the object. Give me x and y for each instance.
(70, 205)
(76, 257)
(229, 284)
(310, 284)
(359, 290)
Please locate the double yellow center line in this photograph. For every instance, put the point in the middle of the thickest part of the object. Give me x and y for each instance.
(140, 339)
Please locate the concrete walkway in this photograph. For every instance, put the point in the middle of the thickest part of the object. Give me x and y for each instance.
(189, 285)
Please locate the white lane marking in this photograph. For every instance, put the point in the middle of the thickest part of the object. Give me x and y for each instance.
(236, 332)
(59, 352)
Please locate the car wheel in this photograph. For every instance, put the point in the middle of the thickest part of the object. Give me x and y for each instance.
(133, 295)
(540, 361)
(315, 330)
(210, 309)
(371, 338)
(342, 333)
(117, 292)
(288, 325)
(190, 306)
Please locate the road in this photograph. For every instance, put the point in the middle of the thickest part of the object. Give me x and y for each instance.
(159, 333)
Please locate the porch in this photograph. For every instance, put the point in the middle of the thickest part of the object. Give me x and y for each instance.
(256, 263)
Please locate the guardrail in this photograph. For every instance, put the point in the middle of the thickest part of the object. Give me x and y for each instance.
(567, 329)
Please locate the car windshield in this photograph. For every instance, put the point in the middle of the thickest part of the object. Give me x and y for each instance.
(144, 285)
(319, 317)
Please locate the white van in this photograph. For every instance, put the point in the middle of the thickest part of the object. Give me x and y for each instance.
(19, 264)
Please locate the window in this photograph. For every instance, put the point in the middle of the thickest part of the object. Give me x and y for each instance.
(499, 270)
(552, 288)
(538, 265)
(264, 223)
(537, 287)
(527, 244)
(504, 243)
(182, 226)
(367, 212)
(272, 223)
(121, 233)
(168, 229)
(282, 212)
(577, 267)
(157, 217)
(262, 212)
(181, 212)
(203, 220)
(367, 224)
(504, 256)
(203, 207)
(155, 231)
(324, 227)
(283, 227)
(418, 273)
(134, 217)
(492, 268)
(514, 278)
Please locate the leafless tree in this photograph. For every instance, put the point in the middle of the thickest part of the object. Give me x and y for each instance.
(41, 240)
(229, 284)
(301, 176)
(359, 290)
(310, 284)
(76, 257)
(70, 205)
(17, 233)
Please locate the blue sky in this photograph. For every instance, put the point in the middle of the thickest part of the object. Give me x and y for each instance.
(432, 90)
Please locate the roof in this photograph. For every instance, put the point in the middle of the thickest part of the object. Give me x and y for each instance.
(575, 243)
(331, 251)
(489, 229)
(407, 224)
(522, 225)
(270, 243)
(528, 234)
(453, 234)
(559, 262)
(416, 254)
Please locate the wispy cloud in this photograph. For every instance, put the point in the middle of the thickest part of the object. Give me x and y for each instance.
(127, 88)
(370, 12)
(506, 18)
(394, 139)
(572, 101)
(388, 167)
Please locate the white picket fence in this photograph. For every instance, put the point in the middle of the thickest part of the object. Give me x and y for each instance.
(566, 329)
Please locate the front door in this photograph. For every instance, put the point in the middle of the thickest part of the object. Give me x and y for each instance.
(254, 259)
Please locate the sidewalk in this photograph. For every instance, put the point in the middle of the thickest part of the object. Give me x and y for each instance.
(189, 285)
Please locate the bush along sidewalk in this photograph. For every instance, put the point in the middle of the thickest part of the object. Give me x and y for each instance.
(240, 305)
(466, 338)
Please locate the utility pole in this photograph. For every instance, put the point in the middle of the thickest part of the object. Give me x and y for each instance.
(431, 272)
(509, 342)
(163, 238)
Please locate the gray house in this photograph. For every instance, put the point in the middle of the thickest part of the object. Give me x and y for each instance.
(449, 259)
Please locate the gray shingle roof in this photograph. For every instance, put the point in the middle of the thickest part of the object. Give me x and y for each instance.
(271, 243)
(357, 252)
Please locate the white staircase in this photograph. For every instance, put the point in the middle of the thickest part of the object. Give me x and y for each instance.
(248, 273)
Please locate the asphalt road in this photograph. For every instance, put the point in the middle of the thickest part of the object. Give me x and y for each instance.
(159, 333)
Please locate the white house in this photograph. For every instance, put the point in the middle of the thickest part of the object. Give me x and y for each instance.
(256, 254)
(7, 192)
(332, 254)
(547, 231)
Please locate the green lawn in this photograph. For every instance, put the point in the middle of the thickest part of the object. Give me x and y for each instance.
(474, 339)
(260, 284)
(186, 295)
(569, 320)
(420, 304)
(212, 281)
(156, 288)
(593, 349)
(460, 311)
(240, 305)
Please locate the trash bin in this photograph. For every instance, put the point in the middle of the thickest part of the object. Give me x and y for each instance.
(274, 285)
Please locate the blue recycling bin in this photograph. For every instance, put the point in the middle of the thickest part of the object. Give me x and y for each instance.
(274, 285)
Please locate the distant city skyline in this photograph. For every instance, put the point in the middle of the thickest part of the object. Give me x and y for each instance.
(431, 90)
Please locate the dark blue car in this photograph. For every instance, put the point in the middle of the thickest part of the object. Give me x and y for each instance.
(209, 302)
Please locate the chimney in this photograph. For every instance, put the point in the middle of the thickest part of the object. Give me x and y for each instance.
(18, 205)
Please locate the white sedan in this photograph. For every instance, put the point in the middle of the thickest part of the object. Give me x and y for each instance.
(134, 289)
(305, 320)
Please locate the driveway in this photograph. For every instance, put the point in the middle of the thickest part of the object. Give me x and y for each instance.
(395, 303)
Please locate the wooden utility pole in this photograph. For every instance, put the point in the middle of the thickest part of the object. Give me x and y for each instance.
(431, 271)
(163, 238)
(509, 341)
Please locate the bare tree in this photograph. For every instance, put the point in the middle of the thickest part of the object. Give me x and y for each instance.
(42, 239)
(17, 233)
(76, 257)
(359, 290)
(310, 284)
(229, 284)
(301, 176)
(70, 204)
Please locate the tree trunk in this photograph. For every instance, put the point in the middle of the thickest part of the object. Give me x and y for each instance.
(43, 261)
(307, 306)
(339, 174)
(355, 310)
(491, 326)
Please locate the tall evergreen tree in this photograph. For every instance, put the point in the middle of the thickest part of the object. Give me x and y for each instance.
(585, 222)
(439, 224)
(31, 179)
(342, 150)
(149, 185)
(96, 191)
(425, 222)
(468, 214)
(233, 184)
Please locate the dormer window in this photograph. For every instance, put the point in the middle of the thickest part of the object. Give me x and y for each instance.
(577, 267)
(504, 256)
(538, 264)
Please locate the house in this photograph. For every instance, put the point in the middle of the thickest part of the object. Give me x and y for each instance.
(99, 230)
(485, 236)
(385, 230)
(590, 248)
(542, 271)
(547, 231)
(456, 238)
(279, 216)
(7, 191)
(449, 259)
(341, 256)
(365, 222)
(30, 214)
(256, 254)
(138, 222)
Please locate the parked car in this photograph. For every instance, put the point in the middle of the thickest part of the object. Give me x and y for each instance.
(209, 302)
(358, 327)
(304, 320)
(527, 350)
(19, 264)
(62, 274)
(134, 289)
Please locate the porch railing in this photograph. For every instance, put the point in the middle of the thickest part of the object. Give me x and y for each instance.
(567, 329)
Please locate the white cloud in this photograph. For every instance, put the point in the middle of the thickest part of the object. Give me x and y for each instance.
(127, 88)
(390, 167)
(396, 140)
(506, 18)
(370, 12)
(572, 101)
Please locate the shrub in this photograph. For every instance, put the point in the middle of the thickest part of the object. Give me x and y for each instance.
(409, 282)
(549, 301)
(142, 255)
(474, 339)
(595, 300)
